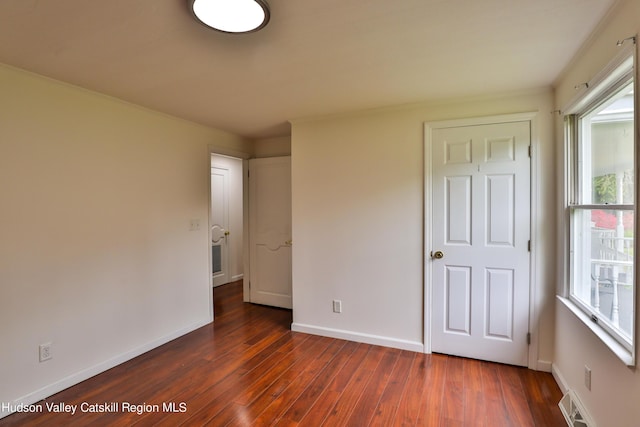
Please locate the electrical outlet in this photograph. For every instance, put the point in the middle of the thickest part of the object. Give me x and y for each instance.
(45, 352)
(194, 225)
(337, 306)
(587, 377)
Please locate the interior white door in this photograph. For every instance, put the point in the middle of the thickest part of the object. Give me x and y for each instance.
(270, 231)
(219, 225)
(480, 241)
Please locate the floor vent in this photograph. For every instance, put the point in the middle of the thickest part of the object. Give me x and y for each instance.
(574, 411)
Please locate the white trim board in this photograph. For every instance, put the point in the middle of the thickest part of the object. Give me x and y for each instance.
(484, 120)
(544, 366)
(359, 337)
(557, 375)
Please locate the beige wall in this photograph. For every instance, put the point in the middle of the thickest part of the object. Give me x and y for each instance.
(96, 255)
(613, 399)
(358, 199)
(273, 147)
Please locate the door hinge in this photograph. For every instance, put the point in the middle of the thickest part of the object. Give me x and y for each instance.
(529, 246)
(530, 150)
(528, 338)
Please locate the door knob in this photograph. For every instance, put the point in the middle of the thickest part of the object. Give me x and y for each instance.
(226, 233)
(437, 254)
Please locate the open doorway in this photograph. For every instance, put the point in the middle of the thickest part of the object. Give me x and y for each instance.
(237, 240)
(226, 219)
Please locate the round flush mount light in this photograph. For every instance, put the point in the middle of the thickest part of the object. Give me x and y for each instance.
(231, 16)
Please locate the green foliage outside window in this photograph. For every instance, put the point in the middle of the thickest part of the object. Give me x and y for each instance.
(604, 188)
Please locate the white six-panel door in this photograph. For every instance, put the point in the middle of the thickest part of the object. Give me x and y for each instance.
(480, 236)
(270, 231)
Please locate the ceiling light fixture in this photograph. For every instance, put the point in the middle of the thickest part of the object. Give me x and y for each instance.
(232, 16)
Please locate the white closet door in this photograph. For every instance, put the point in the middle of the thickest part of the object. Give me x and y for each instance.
(480, 236)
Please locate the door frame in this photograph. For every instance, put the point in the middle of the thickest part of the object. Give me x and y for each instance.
(244, 156)
(225, 250)
(429, 127)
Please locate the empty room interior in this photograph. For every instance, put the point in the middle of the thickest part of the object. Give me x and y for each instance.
(444, 180)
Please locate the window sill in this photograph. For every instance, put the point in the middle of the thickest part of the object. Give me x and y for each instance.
(620, 351)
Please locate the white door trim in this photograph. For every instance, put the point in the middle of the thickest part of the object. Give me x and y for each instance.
(224, 275)
(220, 149)
(429, 127)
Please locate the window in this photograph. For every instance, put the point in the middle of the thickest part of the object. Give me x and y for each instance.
(600, 133)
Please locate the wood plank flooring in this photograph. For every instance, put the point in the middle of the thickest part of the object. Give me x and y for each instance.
(249, 369)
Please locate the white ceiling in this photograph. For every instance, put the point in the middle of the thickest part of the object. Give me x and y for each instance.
(314, 58)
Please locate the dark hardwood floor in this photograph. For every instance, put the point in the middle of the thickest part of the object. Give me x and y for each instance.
(249, 369)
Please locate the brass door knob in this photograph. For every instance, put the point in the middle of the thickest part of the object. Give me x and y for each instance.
(437, 255)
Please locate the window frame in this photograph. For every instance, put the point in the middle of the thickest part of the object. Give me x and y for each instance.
(610, 81)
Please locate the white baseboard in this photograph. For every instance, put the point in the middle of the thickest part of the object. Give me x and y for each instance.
(92, 371)
(544, 366)
(359, 337)
(557, 375)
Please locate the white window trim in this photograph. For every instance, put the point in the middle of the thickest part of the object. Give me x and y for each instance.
(597, 87)
(628, 357)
